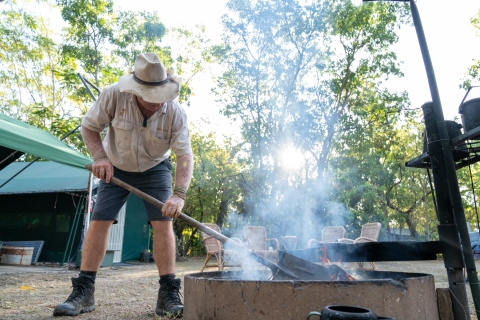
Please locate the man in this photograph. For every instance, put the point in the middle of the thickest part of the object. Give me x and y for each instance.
(144, 124)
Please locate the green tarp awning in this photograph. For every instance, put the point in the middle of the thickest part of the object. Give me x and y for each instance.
(17, 135)
(43, 177)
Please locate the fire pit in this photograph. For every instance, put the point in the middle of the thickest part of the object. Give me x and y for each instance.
(243, 295)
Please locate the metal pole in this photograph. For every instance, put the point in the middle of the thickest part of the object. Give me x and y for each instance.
(447, 229)
(73, 230)
(452, 181)
(86, 83)
(86, 219)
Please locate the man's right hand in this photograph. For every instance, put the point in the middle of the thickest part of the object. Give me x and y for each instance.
(102, 169)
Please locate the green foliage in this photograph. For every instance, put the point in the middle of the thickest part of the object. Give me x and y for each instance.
(215, 175)
(469, 179)
(87, 33)
(139, 32)
(472, 77)
(32, 68)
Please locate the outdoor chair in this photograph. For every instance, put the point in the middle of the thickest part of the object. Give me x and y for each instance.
(369, 233)
(289, 242)
(225, 257)
(257, 241)
(329, 234)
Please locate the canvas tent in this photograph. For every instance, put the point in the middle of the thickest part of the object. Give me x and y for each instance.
(47, 202)
(18, 138)
(21, 219)
(25, 193)
(44, 203)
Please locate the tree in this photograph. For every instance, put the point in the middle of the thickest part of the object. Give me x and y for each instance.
(468, 179)
(214, 175)
(304, 76)
(468, 176)
(139, 32)
(31, 73)
(373, 181)
(472, 76)
(88, 34)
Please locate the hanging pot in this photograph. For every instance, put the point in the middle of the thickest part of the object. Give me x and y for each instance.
(470, 113)
(459, 151)
(346, 313)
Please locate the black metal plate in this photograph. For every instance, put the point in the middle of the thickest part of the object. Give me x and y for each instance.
(372, 251)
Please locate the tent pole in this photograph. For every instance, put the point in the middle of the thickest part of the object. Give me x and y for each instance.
(73, 230)
(77, 215)
(86, 219)
(11, 155)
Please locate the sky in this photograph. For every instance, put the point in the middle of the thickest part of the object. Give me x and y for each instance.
(450, 38)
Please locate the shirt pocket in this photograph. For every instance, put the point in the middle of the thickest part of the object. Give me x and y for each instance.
(157, 147)
(123, 133)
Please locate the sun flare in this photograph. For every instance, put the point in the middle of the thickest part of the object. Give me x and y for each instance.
(291, 158)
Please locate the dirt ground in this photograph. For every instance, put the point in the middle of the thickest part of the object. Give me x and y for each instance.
(130, 291)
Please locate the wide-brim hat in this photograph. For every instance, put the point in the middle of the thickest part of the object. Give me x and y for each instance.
(150, 80)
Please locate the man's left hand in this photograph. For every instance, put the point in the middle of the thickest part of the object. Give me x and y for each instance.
(173, 207)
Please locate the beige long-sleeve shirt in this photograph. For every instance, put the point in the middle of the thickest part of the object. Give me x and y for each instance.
(130, 145)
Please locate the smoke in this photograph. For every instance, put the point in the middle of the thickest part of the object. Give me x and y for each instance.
(299, 212)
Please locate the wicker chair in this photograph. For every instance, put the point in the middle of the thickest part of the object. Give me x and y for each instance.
(257, 241)
(369, 233)
(225, 258)
(329, 234)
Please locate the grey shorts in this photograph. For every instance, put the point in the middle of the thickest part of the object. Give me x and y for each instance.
(156, 182)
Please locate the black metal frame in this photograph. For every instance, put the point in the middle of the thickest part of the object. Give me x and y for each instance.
(453, 230)
(472, 146)
(372, 251)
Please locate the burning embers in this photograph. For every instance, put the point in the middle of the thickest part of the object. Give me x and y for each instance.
(338, 274)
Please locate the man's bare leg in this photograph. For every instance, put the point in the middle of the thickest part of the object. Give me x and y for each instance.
(169, 301)
(164, 247)
(95, 245)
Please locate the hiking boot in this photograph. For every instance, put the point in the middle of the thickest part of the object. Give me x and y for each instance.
(169, 302)
(81, 300)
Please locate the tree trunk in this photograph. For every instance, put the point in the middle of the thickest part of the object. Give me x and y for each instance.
(412, 228)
